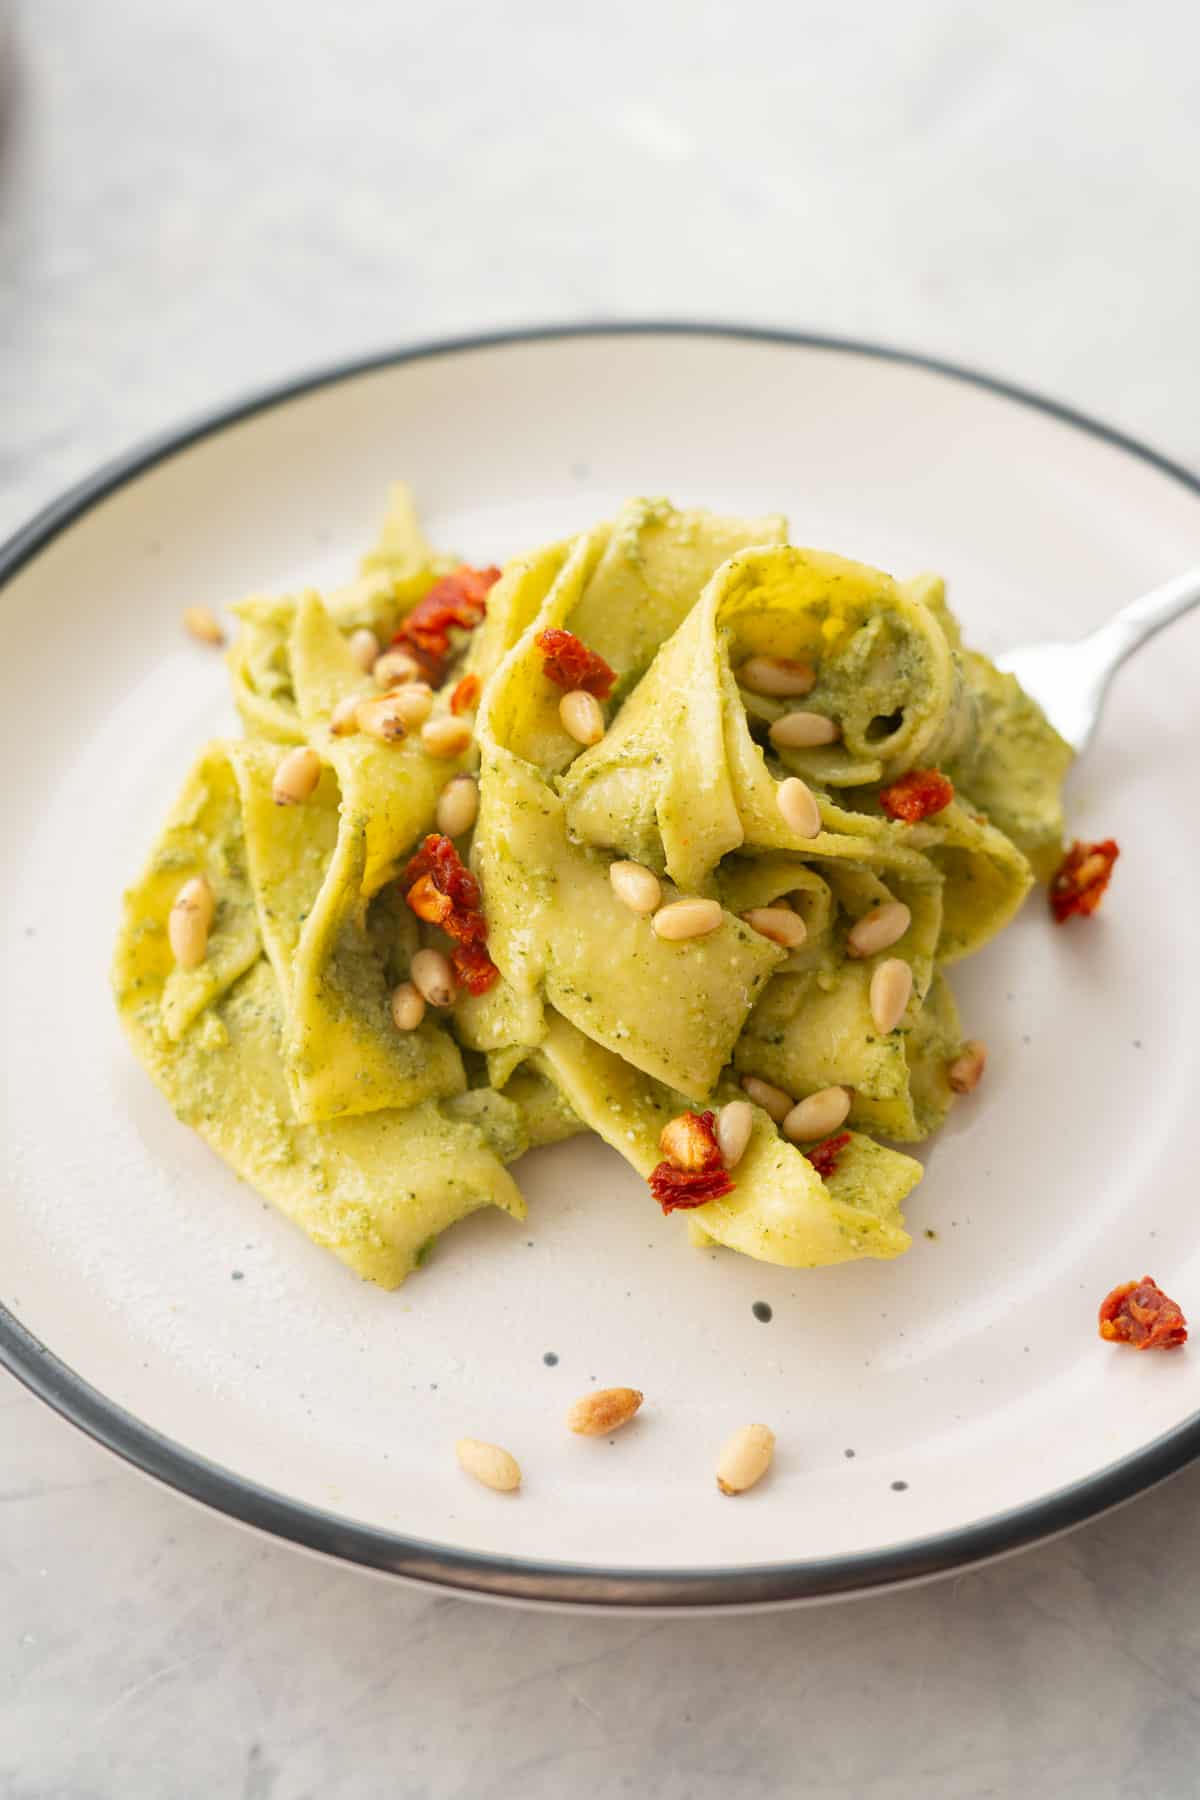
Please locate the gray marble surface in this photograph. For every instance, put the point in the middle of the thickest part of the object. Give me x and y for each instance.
(199, 197)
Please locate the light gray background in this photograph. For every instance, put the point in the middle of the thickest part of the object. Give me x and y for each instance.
(197, 197)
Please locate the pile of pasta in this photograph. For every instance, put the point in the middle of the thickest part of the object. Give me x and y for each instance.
(280, 1047)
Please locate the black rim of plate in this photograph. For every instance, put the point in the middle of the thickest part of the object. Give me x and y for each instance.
(504, 1577)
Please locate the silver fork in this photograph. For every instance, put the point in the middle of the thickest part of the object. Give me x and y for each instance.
(1070, 682)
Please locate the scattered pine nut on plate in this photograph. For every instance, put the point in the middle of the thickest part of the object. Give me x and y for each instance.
(603, 1411)
(202, 623)
(966, 1071)
(745, 1458)
(491, 1465)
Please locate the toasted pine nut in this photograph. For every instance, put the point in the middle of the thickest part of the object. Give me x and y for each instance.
(582, 717)
(804, 731)
(878, 929)
(773, 1100)
(801, 813)
(380, 717)
(296, 776)
(779, 923)
(735, 1122)
(202, 623)
(433, 977)
(745, 1458)
(687, 919)
(599, 1413)
(445, 737)
(636, 887)
(458, 806)
(393, 667)
(684, 1142)
(966, 1071)
(189, 922)
(816, 1116)
(891, 991)
(412, 703)
(363, 646)
(344, 717)
(408, 1007)
(488, 1463)
(777, 676)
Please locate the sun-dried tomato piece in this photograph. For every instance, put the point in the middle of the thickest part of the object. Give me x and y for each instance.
(442, 890)
(680, 1189)
(465, 694)
(692, 1170)
(474, 967)
(457, 602)
(428, 901)
(1138, 1313)
(569, 664)
(1083, 875)
(917, 795)
(824, 1157)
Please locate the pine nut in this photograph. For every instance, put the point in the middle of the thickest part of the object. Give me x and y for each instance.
(745, 1458)
(344, 717)
(202, 623)
(878, 929)
(801, 813)
(581, 716)
(687, 919)
(458, 806)
(773, 1100)
(636, 887)
(393, 667)
(433, 977)
(413, 704)
(804, 731)
(488, 1463)
(296, 776)
(363, 646)
(735, 1122)
(599, 1413)
(445, 737)
(408, 1007)
(381, 718)
(891, 991)
(817, 1116)
(777, 676)
(966, 1071)
(779, 923)
(189, 922)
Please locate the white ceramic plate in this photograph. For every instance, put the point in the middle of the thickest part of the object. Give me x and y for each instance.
(929, 1412)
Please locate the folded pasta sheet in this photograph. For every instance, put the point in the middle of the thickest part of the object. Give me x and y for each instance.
(402, 987)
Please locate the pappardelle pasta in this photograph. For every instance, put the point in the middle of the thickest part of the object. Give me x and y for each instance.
(667, 832)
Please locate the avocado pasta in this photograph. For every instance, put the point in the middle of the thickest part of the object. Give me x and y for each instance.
(667, 832)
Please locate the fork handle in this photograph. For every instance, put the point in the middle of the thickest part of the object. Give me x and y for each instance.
(1128, 630)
